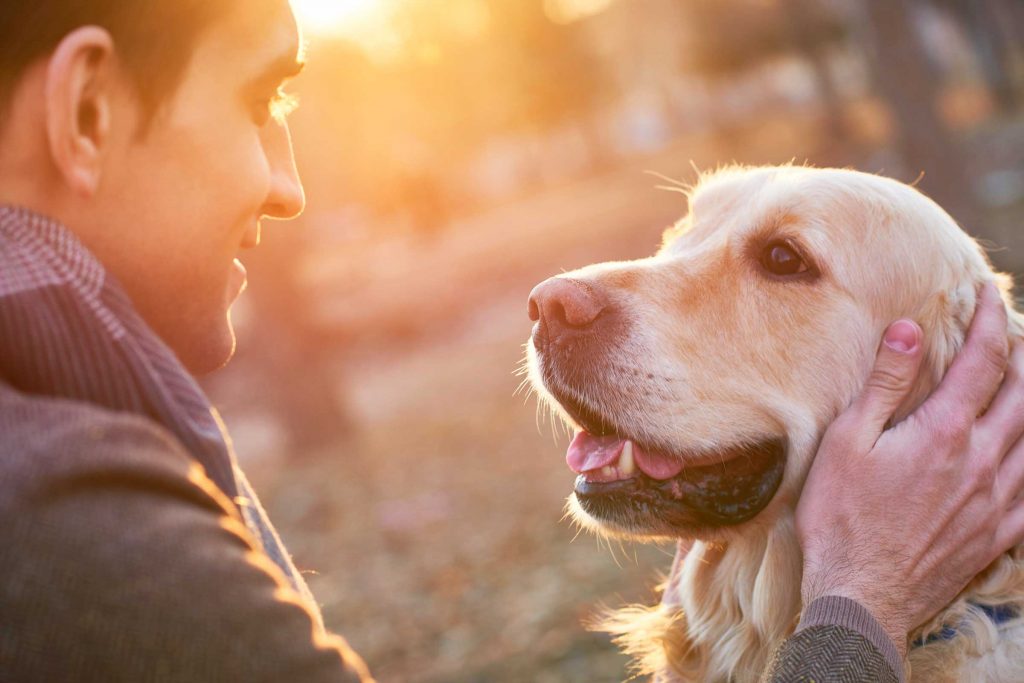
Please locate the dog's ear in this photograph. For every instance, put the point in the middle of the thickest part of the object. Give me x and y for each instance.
(944, 319)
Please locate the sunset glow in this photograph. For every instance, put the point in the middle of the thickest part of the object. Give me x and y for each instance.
(568, 11)
(334, 16)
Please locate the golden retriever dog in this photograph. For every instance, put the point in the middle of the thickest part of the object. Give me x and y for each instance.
(700, 381)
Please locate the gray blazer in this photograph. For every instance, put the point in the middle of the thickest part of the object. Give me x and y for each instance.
(121, 561)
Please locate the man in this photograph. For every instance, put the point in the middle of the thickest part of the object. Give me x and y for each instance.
(139, 149)
(140, 145)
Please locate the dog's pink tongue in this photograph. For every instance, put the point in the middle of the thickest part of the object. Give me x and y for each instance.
(656, 465)
(589, 452)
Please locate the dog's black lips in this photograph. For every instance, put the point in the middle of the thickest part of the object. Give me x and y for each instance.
(708, 496)
(700, 497)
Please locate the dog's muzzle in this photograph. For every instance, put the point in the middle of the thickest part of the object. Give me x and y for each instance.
(577, 332)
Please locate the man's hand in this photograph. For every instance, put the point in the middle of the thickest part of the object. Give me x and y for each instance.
(901, 520)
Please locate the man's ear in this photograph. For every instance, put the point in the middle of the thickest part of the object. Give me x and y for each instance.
(80, 79)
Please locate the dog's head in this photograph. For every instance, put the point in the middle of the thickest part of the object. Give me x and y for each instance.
(701, 379)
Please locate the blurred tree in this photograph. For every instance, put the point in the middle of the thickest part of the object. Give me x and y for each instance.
(995, 29)
(907, 82)
(731, 36)
(812, 33)
(735, 36)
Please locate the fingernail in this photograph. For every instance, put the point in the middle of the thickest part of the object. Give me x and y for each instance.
(901, 336)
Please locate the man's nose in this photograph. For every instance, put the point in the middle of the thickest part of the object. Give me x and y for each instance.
(286, 198)
(562, 305)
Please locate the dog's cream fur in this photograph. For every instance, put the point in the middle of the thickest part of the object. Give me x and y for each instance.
(718, 354)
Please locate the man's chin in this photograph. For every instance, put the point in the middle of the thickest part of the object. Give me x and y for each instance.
(203, 353)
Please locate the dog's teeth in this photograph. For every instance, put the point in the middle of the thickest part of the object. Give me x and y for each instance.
(608, 471)
(626, 465)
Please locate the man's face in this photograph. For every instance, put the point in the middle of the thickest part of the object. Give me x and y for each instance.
(177, 205)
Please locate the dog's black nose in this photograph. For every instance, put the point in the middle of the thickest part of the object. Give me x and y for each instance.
(560, 304)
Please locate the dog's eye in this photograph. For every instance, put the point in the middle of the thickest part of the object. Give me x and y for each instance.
(781, 259)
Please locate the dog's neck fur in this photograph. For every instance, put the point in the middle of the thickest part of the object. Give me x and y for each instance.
(742, 600)
(725, 608)
(750, 580)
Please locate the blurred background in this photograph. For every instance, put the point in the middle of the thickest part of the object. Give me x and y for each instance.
(457, 152)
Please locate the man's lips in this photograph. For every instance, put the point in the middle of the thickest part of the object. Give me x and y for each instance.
(251, 238)
(239, 280)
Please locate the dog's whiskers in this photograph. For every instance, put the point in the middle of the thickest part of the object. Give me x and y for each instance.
(524, 384)
(625, 553)
(674, 185)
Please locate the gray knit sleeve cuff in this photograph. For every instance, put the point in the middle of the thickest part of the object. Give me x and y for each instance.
(833, 610)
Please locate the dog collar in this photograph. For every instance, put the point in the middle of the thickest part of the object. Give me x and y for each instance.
(997, 614)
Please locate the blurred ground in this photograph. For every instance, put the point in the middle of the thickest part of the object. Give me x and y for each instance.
(432, 527)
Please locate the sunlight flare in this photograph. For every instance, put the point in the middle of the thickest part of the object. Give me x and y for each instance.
(333, 16)
(568, 11)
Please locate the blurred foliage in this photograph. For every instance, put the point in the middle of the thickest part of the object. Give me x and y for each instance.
(741, 34)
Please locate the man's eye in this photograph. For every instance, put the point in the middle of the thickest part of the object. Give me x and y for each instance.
(276, 107)
(779, 258)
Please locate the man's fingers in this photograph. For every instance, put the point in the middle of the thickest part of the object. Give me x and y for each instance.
(1011, 529)
(974, 376)
(1003, 424)
(894, 373)
(1010, 476)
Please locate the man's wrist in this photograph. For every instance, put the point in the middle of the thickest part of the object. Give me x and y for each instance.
(882, 611)
(841, 610)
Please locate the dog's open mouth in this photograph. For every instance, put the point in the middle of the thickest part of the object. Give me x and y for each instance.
(622, 482)
(638, 487)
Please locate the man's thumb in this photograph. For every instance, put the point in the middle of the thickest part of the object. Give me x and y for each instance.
(890, 381)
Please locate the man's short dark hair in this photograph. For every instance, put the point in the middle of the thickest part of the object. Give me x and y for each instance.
(154, 39)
